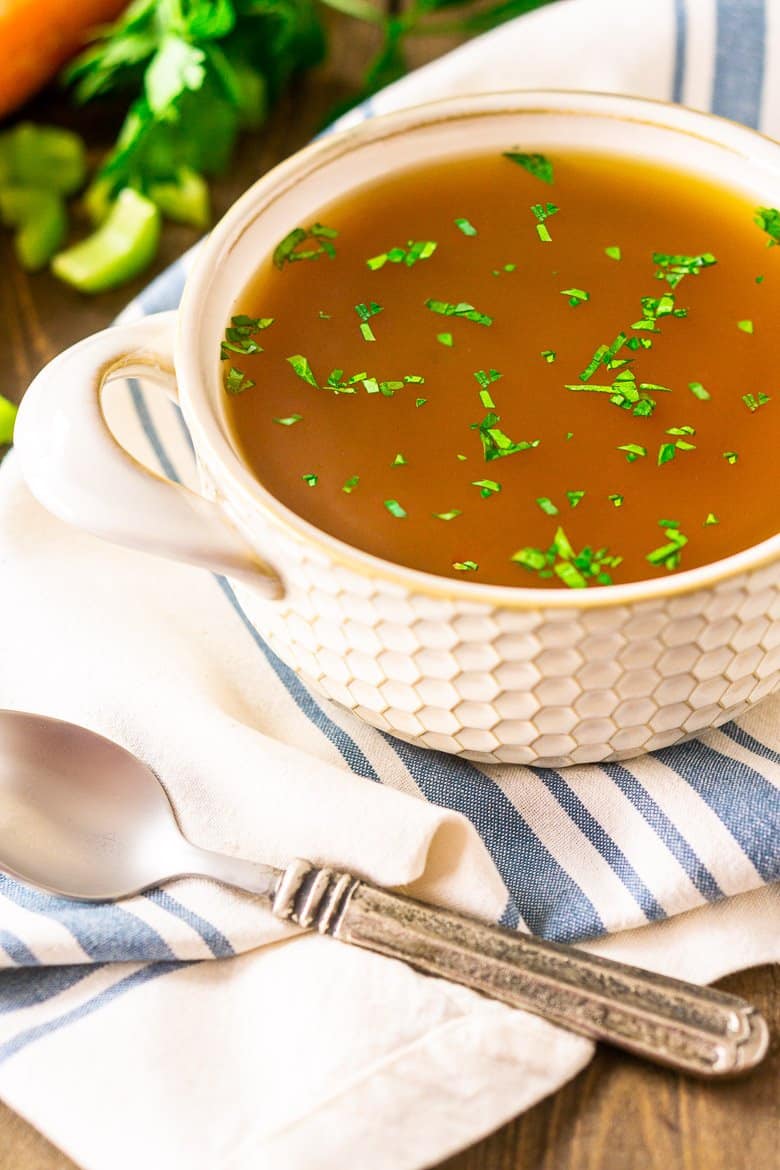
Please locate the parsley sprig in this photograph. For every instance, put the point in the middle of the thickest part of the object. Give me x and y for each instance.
(576, 570)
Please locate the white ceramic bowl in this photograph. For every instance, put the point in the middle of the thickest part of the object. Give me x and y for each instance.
(493, 673)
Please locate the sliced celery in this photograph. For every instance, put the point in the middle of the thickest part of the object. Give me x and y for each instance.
(120, 248)
(185, 200)
(40, 220)
(43, 156)
(7, 420)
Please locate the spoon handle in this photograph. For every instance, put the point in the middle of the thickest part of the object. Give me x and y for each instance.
(695, 1029)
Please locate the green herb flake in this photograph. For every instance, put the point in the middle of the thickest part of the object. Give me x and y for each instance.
(573, 569)
(458, 309)
(290, 249)
(395, 509)
(310, 479)
(324, 316)
(236, 382)
(549, 355)
(616, 499)
(239, 335)
(495, 443)
(753, 401)
(613, 251)
(768, 219)
(350, 484)
(542, 212)
(461, 458)
(711, 519)
(399, 460)
(633, 451)
(510, 267)
(487, 487)
(466, 227)
(365, 312)
(672, 268)
(569, 435)
(302, 368)
(746, 326)
(666, 452)
(574, 498)
(577, 296)
(698, 391)
(289, 421)
(547, 506)
(414, 251)
(731, 457)
(420, 401)
(465, 566)
(537, 165)
(668, 554)
(447, 515)
(445, 339)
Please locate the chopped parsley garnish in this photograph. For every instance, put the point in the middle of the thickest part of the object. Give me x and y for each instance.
(616, 499)
(547, 506)
(768, 219)
(672, 269)
(289, 421)
(730, 457)
(633, 451)
(577, 296)
(445, 339)
(466, 227)
(542, 212)
(487, 487)
(667, 451)
(753, 401)
(698, 391)
(310, 479)
(711, 519)
(745, 326)
(669, 554)
(654, 309)
(458, 309)
(350, 484)
(420, 401)
(549, 355)
(537, 165)
(302, 368)
(447, 515)
(365, 312)
(760, 279)
(236, 382)
(614, 253)
(414, 251)
(606, 355)
(239, 335)
(486, 378)
(575, 570)
(625, 393)
(399, 461)
(496, 444)
(465, 566)
(395, 509)
(574, 498)
(290, 249)
(324, 316)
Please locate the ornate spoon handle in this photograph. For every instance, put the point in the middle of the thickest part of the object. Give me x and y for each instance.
(691, 1028)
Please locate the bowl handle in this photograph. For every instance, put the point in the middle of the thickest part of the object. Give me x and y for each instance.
(76, 468)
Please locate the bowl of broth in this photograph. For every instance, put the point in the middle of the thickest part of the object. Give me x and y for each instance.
(484, 396)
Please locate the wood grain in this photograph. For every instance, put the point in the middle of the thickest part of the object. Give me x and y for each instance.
(618, 1114)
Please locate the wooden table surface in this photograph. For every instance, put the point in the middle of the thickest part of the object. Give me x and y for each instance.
(619, 1114)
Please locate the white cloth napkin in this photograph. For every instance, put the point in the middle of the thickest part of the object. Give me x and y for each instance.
(289, 1051)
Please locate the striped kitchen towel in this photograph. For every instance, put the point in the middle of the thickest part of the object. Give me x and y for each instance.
(307, 1054)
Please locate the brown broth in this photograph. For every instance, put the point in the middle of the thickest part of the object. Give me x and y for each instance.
(604, 201)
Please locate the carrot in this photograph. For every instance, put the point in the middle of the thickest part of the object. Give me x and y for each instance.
(38, 36)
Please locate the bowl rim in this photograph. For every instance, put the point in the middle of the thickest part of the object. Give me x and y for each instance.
(231, 473)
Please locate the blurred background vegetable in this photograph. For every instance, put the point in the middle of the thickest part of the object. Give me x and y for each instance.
(192, 75)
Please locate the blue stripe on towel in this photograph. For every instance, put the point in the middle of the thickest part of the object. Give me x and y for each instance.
(680, 49)
(16, 950)
(745, 740)
(105, 931)
(546, 896)
(595, 833)
(666, 829)
(739, 60)
(24, 988)
(214, 939)
(746, 803)
(29, 1035)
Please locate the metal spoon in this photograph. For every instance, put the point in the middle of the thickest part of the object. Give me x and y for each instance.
(84, 818)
